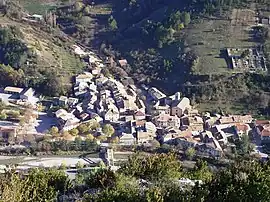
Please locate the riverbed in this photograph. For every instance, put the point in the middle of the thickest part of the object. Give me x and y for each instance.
(26, 162)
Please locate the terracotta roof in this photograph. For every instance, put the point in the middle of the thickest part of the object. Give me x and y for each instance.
(224, 120)
(243, 119)
(266, 132)
(139, 113)
(262, 122)
(242, 127)
(140, 123)
(5, 129)
(123, 62)
(144, 135)
(186, 134)
(165, 118)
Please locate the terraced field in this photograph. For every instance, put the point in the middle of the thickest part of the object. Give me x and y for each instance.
(209, 37)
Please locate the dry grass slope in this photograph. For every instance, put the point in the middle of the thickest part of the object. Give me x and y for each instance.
(52, 53)
(209, 37)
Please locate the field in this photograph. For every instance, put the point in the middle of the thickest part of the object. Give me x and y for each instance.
(244, 17)
(209, 37)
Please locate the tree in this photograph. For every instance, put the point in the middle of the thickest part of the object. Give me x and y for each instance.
(115, 140)
(46, 146)
(154, 167)
(180, 27)
(90, 137)
(90, 145)
(94, 125)
(201, 171)
(186, 18)
(154, 144)
(108, 130)
(190, 152)
(112, 23)
(63, 166)
(13, 114)
(3, 116)
(125, 188)
(154, 194)
(74, 132)
(87, 10)
(79, 165)
(245, 54)
(54, 85)
(103, 178)
(243, 145)
(83, 128)
(239, 182)
(54, 131)
(101, 164)
(37, 185)
(8, 75)
(78, 6)
(13, 51)
(78, 144)
(261, 33)
(28, 116)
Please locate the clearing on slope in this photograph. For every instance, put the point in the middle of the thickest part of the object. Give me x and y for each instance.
(209, 37)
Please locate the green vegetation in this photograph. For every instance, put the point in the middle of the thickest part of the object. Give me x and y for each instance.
(177, 46)
(38, 185)
(209, 38)
(154, 178)
(108, 130)
(12, 50)
(38, 6)
(190, 153)
(239, 177)
(112, 23)
(238, 93)
(28, 60)
(156, 167)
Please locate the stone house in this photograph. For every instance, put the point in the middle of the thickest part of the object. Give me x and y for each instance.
(180, 107)
(86, 77)
(139, 115)
(144, 137)
(165, 120)
(127, 139)
(111, 116)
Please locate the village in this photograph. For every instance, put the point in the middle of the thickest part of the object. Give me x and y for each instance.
(115, 114)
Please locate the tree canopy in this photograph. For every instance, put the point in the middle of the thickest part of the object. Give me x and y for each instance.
(143, 178)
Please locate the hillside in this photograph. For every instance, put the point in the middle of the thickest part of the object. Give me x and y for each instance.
(177, 45)
(173, 45)
(46, 61)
